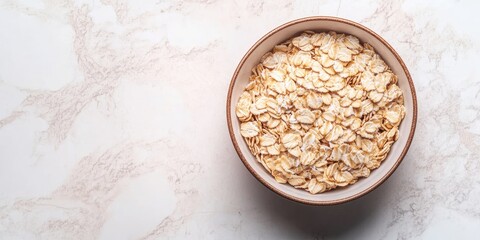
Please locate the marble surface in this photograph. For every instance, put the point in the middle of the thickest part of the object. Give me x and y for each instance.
(112, 122)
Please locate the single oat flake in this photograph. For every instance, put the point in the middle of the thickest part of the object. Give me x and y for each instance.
(321, 111)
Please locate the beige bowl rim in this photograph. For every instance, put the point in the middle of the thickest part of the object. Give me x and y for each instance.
(273, 188)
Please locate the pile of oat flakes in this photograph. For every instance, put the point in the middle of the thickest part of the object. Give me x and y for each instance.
(321, 111)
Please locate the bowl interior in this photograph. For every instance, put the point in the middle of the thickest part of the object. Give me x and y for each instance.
(398, 149)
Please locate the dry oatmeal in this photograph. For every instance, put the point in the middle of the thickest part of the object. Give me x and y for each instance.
(321, 111)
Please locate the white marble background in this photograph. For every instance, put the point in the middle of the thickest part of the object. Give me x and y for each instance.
(112, 122)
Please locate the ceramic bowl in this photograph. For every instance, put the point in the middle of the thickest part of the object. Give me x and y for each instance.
(389, 55)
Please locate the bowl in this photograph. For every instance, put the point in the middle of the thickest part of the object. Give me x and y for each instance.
(390, 56)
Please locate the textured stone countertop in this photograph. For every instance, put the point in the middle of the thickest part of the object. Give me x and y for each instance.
(112, 122)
